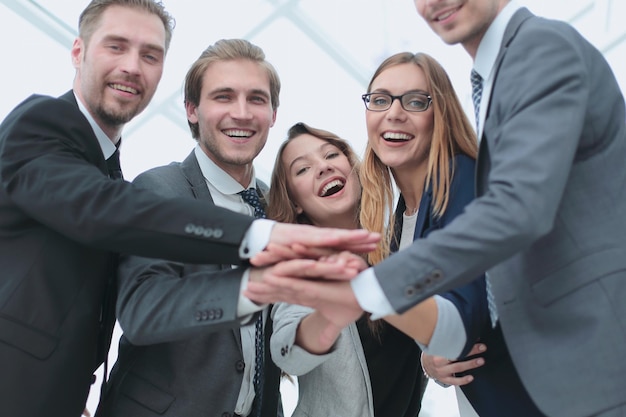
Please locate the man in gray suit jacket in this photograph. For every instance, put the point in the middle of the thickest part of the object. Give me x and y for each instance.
(183, 352)
(548, 221)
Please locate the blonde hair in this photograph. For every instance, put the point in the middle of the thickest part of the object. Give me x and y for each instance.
(452, 134)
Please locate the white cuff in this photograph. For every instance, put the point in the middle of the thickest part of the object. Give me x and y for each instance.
(449, 336)
(256, 238)
(245, 306)
(370, 295)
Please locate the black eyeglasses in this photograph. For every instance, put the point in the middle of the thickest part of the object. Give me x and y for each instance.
(410, 101)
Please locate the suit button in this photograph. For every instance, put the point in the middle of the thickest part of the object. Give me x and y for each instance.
(211, 314)
(218, 233)
(436, 275)
(240, 365)
(205, 314)
(198, 315)
(219, 313)
(409, 291)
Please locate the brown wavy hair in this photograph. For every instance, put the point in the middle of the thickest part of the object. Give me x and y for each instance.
(452, 134)
(280, 206)
(90, 16)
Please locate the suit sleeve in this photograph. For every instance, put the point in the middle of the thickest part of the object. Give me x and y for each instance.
(288, 356)
(54, 172)
(540, 111)
(162, 301)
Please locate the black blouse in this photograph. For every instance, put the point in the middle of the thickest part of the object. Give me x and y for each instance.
(393, 360)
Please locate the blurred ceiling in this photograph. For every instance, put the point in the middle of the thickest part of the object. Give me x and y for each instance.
(325, 52)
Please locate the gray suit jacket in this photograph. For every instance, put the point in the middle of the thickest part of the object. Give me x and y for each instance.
(180, 354)
(336, 384)
(548, 222)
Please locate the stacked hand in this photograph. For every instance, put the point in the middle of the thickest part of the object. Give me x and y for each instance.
(445, 371)
(292, 241)
(299, 281)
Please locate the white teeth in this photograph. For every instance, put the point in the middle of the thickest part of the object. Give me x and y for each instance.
(238, 133)
(442, 17)
(335, 183)
(124, 88)
(445, 15)
(396, 136)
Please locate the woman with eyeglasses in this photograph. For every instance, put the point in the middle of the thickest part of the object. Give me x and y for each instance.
(421, 140)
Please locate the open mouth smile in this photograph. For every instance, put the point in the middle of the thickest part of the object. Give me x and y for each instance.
(332, 187)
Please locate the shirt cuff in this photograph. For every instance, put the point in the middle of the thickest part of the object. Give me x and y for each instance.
(449, 336)
(256, 238)
(370, 295)
(245, 306)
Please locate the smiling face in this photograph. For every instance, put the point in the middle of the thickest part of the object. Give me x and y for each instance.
(460, 21)
(321, 181)
(119, 68)
(401, 139)
(234, 115)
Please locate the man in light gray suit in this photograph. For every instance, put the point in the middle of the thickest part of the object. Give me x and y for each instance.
(548, 221)
(183, 352)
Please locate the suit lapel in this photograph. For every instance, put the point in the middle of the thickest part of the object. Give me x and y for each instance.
(197, 183)
(483, 163)
(101, 162)
(192, 172)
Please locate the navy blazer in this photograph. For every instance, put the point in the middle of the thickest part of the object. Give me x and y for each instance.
(496, 385)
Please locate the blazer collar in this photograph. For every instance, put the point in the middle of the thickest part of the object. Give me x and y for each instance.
(509, 34)
(193, 174)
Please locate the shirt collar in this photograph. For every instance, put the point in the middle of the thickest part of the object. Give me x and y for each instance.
(490, 44)
(108, 147)
(222, 181)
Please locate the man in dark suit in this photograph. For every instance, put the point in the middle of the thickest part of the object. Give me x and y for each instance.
(167, 364)
(548, 222)
(63, 219)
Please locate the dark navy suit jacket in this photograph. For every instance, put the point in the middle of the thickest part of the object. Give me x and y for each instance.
(496, 385)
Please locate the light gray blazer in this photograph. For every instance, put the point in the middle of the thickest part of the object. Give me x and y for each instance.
(549, 223)
(181, 352)
(336, 384)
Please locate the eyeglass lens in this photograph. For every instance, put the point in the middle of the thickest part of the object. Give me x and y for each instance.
(409, 101)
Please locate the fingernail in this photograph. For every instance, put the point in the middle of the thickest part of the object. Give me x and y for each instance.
(480, 361)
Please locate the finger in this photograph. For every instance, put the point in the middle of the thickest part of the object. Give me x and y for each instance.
(311, 252)
(458, 367)
(306, 268)
(265, 258)
(458, 381)
(477, 348)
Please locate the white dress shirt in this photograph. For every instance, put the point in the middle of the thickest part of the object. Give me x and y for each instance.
(224, 190)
